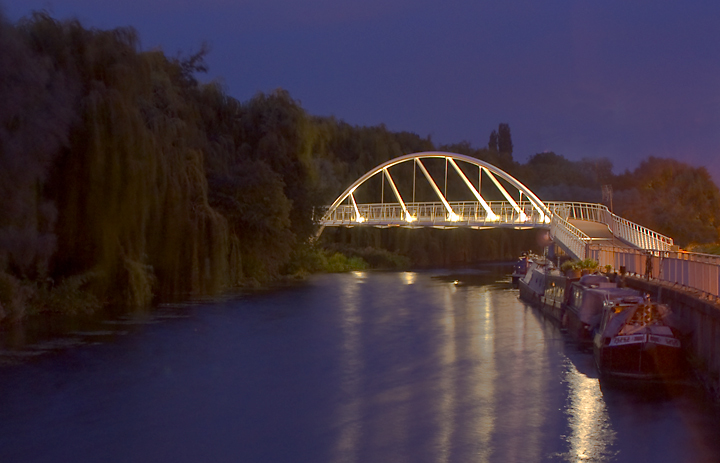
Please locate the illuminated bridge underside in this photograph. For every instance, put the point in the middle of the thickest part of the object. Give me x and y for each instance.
(435, 214)
(576, 227)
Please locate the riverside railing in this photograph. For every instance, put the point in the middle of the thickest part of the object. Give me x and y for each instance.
(685, 269)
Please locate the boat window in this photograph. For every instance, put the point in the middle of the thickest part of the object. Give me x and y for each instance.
(577, 297)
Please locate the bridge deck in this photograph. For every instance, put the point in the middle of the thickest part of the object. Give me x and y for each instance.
(599, 232)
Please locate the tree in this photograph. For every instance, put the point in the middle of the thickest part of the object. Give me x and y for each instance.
(672, 198)
(504, 138)
(493, 142)
(250, 196)
(35, 119)
(553, 177)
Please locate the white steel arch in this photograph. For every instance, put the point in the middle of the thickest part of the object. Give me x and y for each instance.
(528, 212)
(491, 171)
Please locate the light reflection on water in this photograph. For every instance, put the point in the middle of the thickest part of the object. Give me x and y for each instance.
(448, 376)
(592, 435)
(346, 447)
(525, 380)
(485, 375)
(409, 277)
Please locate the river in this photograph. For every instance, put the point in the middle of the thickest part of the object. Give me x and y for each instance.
(359, 367)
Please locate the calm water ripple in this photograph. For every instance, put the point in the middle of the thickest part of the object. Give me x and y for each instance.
(362, 367)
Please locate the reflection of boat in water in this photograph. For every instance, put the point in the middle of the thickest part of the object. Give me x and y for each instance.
(635, 339)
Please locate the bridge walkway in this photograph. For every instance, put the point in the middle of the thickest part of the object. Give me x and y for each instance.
(600, 233)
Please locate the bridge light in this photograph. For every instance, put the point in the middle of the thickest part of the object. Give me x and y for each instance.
(492, 217)
(360, 219)
(453, 217)
(523, 217)
(409, 218)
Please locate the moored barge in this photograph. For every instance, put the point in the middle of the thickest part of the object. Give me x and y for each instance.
(631, 337)
(584, 304)
(636, 339)
(544, 286)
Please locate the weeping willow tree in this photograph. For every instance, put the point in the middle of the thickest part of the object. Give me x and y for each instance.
(35, 116)
(143, 182)
(130, 186)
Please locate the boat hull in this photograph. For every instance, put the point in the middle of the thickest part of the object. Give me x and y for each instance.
(528, 293)
(578, 330)
(641, 360)
(540, 291)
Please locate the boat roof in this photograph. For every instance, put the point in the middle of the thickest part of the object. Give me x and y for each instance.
(593, 279)
(614, 292)
(593, 301)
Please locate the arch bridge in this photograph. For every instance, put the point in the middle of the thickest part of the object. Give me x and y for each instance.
(450, 190)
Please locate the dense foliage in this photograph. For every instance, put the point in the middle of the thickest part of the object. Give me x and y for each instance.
(123, 178)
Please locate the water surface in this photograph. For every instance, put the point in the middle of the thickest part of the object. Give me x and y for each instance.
(360, 367)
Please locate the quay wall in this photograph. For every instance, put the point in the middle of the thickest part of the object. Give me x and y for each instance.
(698, 315)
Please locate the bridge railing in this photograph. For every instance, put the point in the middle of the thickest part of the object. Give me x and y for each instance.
(624, 229)
(435, 214)
(640, 236)
(472, 213)
(591, 212)
(569, 236)
(697, 271)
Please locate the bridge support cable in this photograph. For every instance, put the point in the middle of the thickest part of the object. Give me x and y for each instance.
(490, 214)
(452, 216)
(408, 217)
(521, 213)
(358, 217)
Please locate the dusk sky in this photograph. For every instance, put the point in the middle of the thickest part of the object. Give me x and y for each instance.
(618, 79)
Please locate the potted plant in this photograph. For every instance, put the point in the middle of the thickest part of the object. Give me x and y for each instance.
(576, 268)
(588, 266)
(570, 268)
